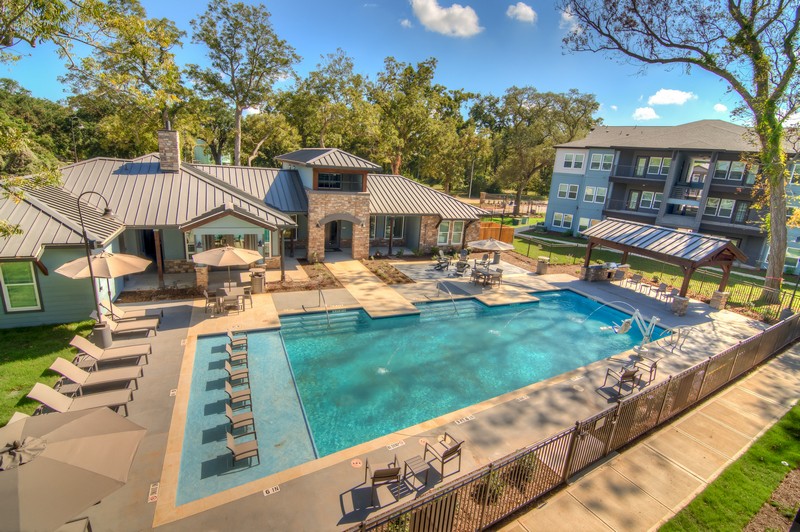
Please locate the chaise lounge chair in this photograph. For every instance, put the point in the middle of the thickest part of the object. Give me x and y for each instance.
(84, 379)
(94, 354)
(61, 403)
(444, 451)
(117, 327)
(119, 314)
(239, 421)
(237, 358)
(238, 396)
(242, 451)
(240, 374)
(237, 341)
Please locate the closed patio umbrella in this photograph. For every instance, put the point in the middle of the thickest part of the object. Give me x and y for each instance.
(227, 256)
(490, 244)
(52, 467)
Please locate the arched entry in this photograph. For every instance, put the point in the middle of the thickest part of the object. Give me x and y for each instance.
(339, 231)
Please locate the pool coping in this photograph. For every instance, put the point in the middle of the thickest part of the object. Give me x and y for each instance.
(167, 511)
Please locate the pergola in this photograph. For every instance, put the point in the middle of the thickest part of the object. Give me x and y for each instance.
(689, 251)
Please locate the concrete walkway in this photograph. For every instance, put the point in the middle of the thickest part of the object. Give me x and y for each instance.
(646, 485)
(378, 299)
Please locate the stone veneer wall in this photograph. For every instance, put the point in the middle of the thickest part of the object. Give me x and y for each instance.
(178, 266)
(324, 203)
(473, 231)
(428, 232)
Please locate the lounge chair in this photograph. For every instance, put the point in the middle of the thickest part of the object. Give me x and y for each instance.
(629, 375)
(119, 327)
(442, 264)
(242, 451)
(463, 254)
(120, 314)
(382, 476)
(242, 374)
(61, 403)
(239, 421)
(461, 268)
(444, 451)
(93, 354)
(84, 379)
(236, 358)
(237, 396)
(237, 341)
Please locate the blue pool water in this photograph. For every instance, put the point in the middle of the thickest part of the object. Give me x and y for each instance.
(360, 378)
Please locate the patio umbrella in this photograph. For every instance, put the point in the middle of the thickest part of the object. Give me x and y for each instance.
(227, 256)
(52, 467)
(490, 244)
(106, 265)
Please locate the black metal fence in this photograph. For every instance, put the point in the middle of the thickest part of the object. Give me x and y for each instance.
(493, 492)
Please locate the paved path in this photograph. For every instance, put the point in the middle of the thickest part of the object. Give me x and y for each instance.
(378, 299)
(644, 486)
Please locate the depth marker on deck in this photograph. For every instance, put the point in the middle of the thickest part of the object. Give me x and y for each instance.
(522, 398)
(464, 419)
(395, 445)
(270, 491)
(173, 392)
(152, 495)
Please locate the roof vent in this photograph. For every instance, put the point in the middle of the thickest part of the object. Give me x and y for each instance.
(169, 150)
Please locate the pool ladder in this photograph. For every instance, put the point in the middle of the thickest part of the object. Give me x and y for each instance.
(321, 302)
(441, 285)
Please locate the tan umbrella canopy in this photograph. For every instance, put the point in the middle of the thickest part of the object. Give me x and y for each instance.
(105, 265)
(227, 256)
(490, 244)
(53, 467)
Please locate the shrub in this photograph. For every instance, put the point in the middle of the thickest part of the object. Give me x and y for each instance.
(399, 253)
(489, 489)
(521, 472)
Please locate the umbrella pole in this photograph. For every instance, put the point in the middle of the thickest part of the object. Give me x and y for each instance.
(110, 304)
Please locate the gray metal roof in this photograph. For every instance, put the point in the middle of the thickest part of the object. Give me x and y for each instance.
(141, 195)
(280, 189)
(712, 135)
(327, 158)
(49, 216)
(394, 194)
(694, 247)
(223, 210)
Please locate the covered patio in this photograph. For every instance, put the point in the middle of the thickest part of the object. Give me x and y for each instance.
(689, 251)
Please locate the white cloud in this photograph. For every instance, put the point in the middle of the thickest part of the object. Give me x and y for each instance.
(406, 23)
(718, 107)
(453, 21)
(370, 5)
(614, 107)
(568, 22)
(645, 113)
(670, 97)
(522, 12)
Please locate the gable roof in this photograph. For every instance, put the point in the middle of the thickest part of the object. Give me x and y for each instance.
(141, 195)
(280, 189)
(662, 242)
(395, 194)
(327, 158)
(716, 135)
(49, 216)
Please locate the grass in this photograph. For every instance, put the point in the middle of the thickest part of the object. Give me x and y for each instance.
(736, 496)
(507, 220)
(26, 354)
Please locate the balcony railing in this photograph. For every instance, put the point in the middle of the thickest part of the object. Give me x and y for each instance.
(628, 170)
(686, 193)
(622, 205)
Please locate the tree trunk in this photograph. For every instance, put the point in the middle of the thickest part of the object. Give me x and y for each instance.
(774, 167)
(216, 153)
(237, 138)
(397, 163)
(518, 199)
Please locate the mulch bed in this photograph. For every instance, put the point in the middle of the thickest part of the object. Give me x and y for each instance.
(162, 294)
(319, 277)
(778, 513)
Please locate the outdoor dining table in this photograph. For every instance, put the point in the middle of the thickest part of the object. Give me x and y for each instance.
(483, 275)
(229, 296)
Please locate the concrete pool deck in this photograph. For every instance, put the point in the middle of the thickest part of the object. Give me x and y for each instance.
(325, 493)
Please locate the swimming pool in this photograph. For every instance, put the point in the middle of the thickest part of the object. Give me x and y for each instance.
(360, 378)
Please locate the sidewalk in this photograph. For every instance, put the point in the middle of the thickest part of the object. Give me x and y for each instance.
(645, 485)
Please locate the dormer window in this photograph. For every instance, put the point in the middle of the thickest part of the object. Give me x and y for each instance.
(341, 182)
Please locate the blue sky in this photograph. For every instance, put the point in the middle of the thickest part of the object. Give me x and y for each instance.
(483, 46)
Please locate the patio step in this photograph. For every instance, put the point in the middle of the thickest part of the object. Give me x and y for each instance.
(333, 323)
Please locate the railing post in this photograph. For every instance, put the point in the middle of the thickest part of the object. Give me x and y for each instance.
(703, 382)
(733, 365)
(663, 401)
(571, 451)
(485, 495)
(614, 423)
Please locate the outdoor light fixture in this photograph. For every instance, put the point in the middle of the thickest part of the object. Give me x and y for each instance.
(108, 214)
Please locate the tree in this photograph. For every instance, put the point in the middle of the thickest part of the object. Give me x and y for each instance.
(246, 57)
(751, 45)
(213, 124)
(266, 135)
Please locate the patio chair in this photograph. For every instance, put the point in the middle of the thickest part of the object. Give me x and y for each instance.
(94, 354)
(240, 374)
(650, 365)
(248, 295)
(497, 276)
(463, 254)
(239, 421)
(229, 285)
(120, 314)
(211, 302)
(442, 263)
(242, 451)
(661, 291)
(444, 451)
(619, 276)
(484, 261)
(461, 268)
(84, 379)
(227, 303)
(236, 358)
(635, 280)
(671, 295)
(382, 476)
(237, 341)
(624, 375)
(59, 402)
(119, 327)
(237, 396)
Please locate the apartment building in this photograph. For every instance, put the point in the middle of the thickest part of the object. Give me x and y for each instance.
(694, 176)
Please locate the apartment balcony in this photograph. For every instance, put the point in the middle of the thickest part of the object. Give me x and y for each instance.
(730, 189)
(685, 194)
(730, 228)
(679, 221)
(621, 209)
(627, 174)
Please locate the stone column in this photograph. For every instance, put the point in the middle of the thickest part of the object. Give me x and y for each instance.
(201, 277)
(719, 299)
(680, 305)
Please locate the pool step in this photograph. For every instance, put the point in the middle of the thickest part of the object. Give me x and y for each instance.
(447, 311)
(333, 323)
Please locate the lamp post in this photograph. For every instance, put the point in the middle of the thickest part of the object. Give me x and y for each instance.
(107, 213)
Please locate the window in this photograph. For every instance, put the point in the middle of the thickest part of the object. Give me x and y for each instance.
(291, 233)
(265, 243)
(752, 172)
(458, 232)
(725, 208)
(396, 226)
(594, 195)
(562, 190)
(633, 200)
(444, 232)
(647, 200)
(600, 196)
(372, 221)
(573, 192)
(721, 169)
(588, 194)
(657, 200)
(655, 165)
(737, 171)
(711, 207)
(558, 219)
(665, 165)
(601, 161)
(641, 164)
(566, 191)
(329, 181)
(190, 244)
(573, 160)
(20, 292)
(794, 178)
(742, 207)
(336, 181)
(567, 221)
(583, 223)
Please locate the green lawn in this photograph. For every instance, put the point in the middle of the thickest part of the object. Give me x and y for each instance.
(731, 501)
(508, 220)
(25, 355)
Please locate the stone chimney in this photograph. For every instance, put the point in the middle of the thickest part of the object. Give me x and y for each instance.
(169, 150)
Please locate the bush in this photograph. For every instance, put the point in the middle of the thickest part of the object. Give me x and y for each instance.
(399, 253)
(490, 489)
(521, 472)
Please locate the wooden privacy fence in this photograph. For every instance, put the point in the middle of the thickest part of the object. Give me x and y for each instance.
(493, 230)
(493, 492)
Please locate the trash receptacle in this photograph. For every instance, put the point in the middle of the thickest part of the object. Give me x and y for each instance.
(496, 259)
(101, 334)
(541, 265)
(524, 220)
(257, 282)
